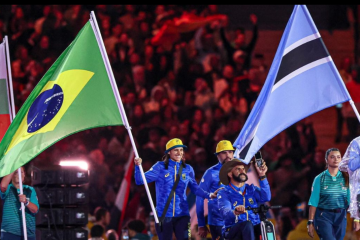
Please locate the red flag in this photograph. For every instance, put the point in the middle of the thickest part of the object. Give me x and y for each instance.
(170, 31)
(123, 194)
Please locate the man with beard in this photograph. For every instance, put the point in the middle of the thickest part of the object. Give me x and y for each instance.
(239, 223)
(210, 182)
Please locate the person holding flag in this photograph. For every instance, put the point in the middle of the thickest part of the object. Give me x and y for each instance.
(11, 227)
(237, 195)
(172, 176)
(211, 182)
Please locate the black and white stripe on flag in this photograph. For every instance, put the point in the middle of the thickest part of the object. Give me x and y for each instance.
(302, 80)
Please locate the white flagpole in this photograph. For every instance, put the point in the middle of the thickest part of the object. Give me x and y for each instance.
(355, 110)
(12, 116)
(119, 103)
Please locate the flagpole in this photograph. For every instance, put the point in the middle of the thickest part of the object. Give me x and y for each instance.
(119, 103)
(355, 109)
(12, 116)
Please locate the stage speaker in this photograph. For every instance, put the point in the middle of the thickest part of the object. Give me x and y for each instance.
(59, 175)
(62, 234)
(62, 195)
(62, 216)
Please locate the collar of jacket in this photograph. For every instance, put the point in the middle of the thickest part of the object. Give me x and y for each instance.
(218, 166)
(172, 163)
(238, 189)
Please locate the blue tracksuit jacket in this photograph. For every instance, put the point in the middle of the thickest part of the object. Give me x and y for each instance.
(228, 199)
(210, 182)
(164, 181)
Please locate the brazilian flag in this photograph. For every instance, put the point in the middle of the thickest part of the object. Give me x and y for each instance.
(75, 94)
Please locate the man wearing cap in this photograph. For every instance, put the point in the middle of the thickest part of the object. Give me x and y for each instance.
(176, 217)
(237, 196)
(210, 182)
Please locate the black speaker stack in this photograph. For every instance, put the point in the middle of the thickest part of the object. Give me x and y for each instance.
(63, 199)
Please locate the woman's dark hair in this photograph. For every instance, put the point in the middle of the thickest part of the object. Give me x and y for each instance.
(329, 151)
(345, 174)
(166, 158)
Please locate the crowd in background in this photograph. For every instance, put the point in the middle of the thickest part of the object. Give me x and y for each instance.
(200, 88)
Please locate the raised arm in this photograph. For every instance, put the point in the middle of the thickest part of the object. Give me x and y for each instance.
(5, 182)
(150, 175)
(194, 187)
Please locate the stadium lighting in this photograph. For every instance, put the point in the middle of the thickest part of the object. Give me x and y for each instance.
(78, 163)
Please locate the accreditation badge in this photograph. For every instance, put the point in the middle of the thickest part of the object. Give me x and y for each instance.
(251, 201)
(183, 176)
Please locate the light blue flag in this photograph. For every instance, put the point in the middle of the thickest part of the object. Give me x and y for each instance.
(302, 80)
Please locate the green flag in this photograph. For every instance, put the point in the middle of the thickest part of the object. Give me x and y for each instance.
(75, 94)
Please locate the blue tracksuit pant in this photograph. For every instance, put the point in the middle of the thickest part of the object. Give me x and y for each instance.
(178, 225)
(216, 231)
(241, 231)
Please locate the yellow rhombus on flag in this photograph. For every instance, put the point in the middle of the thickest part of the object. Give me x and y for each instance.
(75, 94)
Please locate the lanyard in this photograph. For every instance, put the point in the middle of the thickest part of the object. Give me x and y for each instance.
(241, 193)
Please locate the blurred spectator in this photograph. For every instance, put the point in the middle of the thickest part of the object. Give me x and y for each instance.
(345, 73)
(353, 86)
(102, 219)
(96, 232)
(240, 44)
(136, 228)
(111, 234)
(284, 182)
(204, 98)
(301, 231)
(151, 227)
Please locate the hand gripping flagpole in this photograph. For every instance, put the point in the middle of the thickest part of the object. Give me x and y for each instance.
(12, 116)
(119, 103)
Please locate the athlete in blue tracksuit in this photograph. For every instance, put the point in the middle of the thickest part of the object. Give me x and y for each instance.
(237, 196)
(164, 173)
(210, 182)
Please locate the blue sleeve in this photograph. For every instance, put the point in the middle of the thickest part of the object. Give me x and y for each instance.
(4, 194)
(150, 175)
(354, 156)
(33, 198)
(194, 187)
(315, 193)
(263, 194)
(205, 185)
(225, 206)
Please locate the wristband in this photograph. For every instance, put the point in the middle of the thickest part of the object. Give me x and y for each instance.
(262, 177)
(310, 222)
(27, 201)
(356, 220)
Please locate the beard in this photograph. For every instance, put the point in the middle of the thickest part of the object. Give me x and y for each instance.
(242, 177)
(225, 160)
